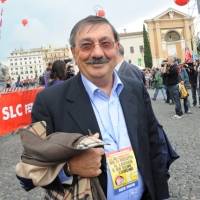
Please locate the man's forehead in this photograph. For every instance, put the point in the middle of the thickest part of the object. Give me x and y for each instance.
(90, 31)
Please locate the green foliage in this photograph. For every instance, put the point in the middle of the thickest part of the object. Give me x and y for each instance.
(147, 50)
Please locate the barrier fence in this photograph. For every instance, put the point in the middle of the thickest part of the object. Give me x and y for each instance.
(15, 109)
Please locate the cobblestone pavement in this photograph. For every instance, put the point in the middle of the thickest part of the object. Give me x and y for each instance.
(185, 172)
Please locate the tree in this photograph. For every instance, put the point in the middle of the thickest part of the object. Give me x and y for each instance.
(18, 78)
(147, 50)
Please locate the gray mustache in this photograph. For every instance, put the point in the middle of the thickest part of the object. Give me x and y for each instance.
(97, 61)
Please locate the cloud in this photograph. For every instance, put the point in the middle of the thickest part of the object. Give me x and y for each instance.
(34, 33)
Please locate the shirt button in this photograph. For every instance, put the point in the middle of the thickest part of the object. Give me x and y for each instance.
(132, 193)
(99, 90)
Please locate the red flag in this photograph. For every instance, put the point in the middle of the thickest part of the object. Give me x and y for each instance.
(1, 11)
(188, 56)
(0, 22)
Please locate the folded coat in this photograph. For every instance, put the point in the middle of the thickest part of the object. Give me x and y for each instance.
(44, 157)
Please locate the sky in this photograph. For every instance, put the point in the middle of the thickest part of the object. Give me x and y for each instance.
(51, 21)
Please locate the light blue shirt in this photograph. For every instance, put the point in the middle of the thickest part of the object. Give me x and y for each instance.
(113, 129)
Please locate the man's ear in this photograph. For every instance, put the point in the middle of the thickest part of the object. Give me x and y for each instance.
(117, 46)
(73, 52)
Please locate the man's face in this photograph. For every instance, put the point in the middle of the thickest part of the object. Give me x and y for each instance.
(95, 35)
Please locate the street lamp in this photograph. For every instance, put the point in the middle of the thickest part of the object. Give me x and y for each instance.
(142, 51)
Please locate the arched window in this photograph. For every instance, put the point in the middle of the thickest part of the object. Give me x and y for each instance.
(172, 36)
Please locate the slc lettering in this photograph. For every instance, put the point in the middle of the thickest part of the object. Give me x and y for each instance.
(13, 112)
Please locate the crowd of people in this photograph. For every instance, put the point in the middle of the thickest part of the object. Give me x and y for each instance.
(168, 78)
(22, 83)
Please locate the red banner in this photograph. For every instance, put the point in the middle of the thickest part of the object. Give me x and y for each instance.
(15, 109)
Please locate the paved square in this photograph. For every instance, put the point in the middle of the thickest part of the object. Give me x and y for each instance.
(184, 134)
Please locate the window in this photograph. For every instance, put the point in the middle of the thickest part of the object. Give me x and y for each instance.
(29, 58)
(25, 62)
(20, 59)
(15, 63)
(11, 64)
(30, 67)
(25, 58)
(26, 72)
(132, 49)
(129, 61)
(31, 71)
(33, 57)
(22, 77)
(39, 61)
(15, 59)
(20, 63)
(16, 73)
(21, 67)
(30, 62)
(11, 68)
(34, 61)
(10, 59)
(16, 68)
(141, 49)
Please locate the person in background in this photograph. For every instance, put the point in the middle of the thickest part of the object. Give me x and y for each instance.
(158, 84)
(198, 79)
(192, 72)
(70, 72)
(47, 73)
(147, 77)
(124, 68)
(184, 79)
(58, 73)
(171, 72)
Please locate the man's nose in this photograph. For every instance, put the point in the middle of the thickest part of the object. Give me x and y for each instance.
(97, 51)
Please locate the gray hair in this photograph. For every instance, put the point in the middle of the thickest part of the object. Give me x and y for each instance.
(171, 59)
(121, 50)
(90, 20)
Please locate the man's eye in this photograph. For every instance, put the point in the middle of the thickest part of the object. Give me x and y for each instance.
(106, 44)
(86, 46)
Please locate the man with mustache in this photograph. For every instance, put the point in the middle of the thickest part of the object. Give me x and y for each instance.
(117, 108)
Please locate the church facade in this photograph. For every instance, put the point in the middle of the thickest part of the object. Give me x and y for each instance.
(169, 34)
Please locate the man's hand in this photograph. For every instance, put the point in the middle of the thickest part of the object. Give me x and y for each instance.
(165, 68)
(88, 163)
(68, 64)
(182, 82)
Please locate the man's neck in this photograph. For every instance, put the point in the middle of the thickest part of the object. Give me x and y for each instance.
(105, 85)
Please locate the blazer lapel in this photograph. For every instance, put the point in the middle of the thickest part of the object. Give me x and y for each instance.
(81, 109)
(129, 106)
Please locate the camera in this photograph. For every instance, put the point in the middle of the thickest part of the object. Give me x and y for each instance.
(164, 62)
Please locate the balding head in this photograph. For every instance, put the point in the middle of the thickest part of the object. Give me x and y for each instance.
(171, 61)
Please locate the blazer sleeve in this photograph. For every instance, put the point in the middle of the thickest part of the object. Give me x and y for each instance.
(40, 112)
(156, 159)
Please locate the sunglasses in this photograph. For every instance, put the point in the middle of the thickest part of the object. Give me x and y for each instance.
(89, 46)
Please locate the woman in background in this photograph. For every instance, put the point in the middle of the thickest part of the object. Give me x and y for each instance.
(58, 73)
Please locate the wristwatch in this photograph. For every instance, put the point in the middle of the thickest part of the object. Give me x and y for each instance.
(67, 169)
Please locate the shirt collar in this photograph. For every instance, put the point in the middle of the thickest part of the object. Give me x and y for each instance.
(119, 65)
(91, 88)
